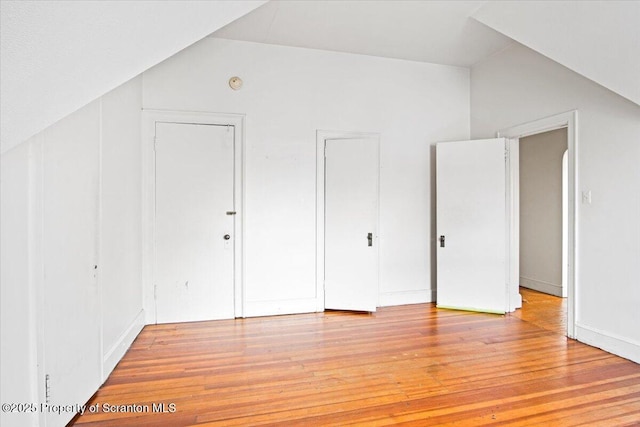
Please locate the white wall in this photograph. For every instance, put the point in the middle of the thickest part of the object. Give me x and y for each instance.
(18, 357)
(519, 85)
(288, 94)
(48, 256)
(120, 233)
(541, 211)
(57, 56)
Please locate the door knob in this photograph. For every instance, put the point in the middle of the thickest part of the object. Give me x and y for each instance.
(227, 237)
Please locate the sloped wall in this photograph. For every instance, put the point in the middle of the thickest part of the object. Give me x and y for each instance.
(39, 237)
(57, 56)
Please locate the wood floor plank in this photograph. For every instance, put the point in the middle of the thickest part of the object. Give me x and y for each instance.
(405, 365)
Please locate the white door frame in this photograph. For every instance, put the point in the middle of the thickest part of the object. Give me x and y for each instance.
(567, 120)
(149, 120)
(321, 136)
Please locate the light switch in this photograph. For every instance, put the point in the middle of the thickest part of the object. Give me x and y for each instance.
(586, 197)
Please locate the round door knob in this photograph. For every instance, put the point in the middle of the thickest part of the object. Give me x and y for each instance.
(227, 237)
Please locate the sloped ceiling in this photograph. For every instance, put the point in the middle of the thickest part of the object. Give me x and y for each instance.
(57, 56)
(597, 39)
(429, 31)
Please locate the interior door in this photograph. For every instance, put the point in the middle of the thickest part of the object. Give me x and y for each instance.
(71, 310)
(471, 225)
(351, 224)
(194, 222)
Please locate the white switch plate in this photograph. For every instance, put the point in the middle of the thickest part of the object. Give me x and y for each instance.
(586, 197)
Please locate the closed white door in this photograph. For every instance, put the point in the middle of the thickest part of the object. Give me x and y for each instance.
(471, 224)
(194, 222)
(351, 224)
(71, 310)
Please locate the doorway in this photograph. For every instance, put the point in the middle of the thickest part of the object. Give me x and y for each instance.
(193, 202)
(566, 121)
(541, 212)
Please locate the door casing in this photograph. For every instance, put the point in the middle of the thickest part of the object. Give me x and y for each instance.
(150, 118)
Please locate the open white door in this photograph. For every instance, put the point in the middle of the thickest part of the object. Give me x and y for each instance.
(351, 224)
(471, 226)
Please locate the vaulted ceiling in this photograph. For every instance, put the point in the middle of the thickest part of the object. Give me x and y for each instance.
(57, 56)
(598, 39)
(440, 32)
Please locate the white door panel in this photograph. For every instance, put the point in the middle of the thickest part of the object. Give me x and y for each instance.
(71, 326)
(351, 222)
(194, 191)
(471, 215)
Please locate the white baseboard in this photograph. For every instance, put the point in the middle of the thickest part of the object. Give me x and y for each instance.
(387, 299)
(122, 344)
(274, 308)
(541, 286)
(611, 343)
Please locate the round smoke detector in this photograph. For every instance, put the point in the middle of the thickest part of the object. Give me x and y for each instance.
(235, 82)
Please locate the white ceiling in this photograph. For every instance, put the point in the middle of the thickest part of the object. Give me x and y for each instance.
(598, 39)
(59, 55)
(429, 31)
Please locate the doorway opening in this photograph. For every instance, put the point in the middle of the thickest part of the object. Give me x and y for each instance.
(543, 227)
(560, 279)
(541, 211)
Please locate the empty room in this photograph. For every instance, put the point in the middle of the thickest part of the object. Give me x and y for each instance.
(320, 213)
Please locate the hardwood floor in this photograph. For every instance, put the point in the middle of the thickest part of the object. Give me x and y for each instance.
(547, 311)
(406, 365)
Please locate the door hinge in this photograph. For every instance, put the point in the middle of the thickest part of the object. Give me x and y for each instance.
(155, 142)
(155, 292)
(47, 388)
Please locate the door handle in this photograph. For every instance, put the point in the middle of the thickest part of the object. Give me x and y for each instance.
(226, 237)
(442, 241)
(369, 239)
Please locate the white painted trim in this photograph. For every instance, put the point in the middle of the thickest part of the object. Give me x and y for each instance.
(570, 121)
(98, 248)
(541, 286)
(122, 344)
(406, 297)
(321, 137)
(609, 342)
(512, 189)
(149, 119)
(565, 220)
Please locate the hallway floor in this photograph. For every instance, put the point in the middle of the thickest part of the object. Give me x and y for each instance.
(545, 311)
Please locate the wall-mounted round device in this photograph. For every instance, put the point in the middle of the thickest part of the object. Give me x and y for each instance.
(235, 83)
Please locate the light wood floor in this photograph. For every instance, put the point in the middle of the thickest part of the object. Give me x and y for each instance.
(407, 365)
